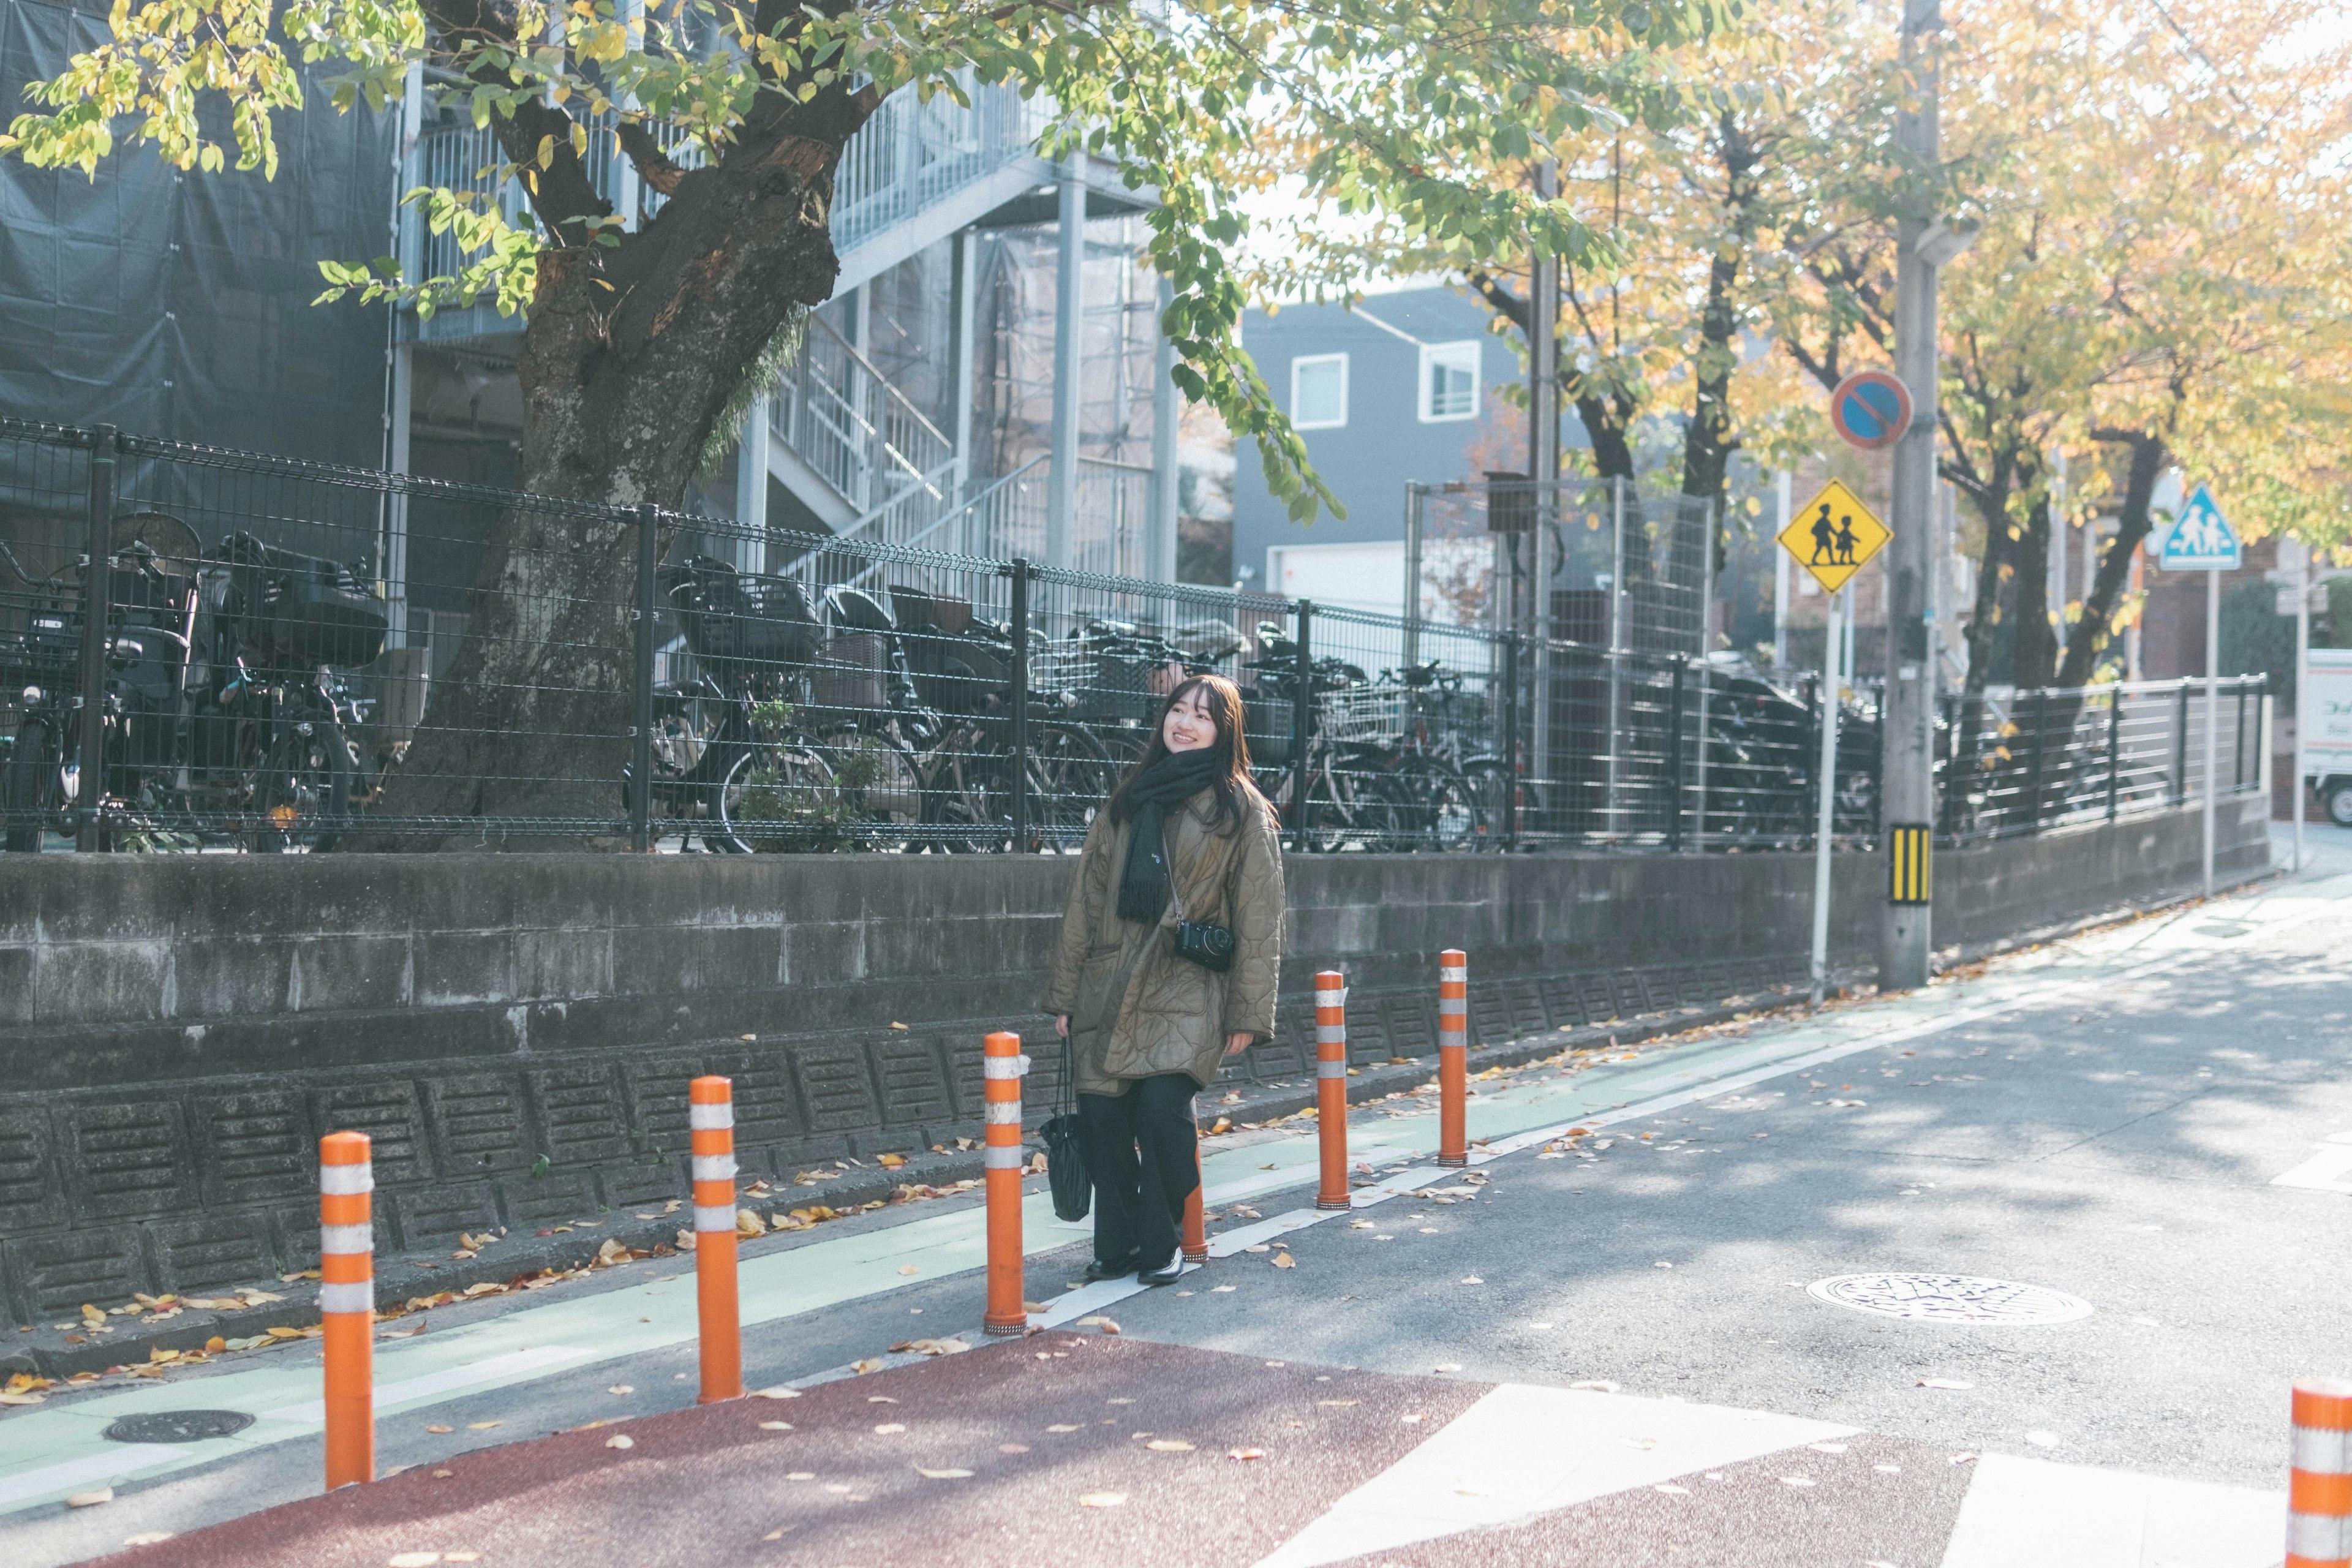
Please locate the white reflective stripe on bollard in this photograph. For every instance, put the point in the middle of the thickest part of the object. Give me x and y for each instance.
(714, 1167)
(1330, 1069)
(714, 1218)
(342, 1240)
(1001, 1113)
(346, 1181)
(1007, 1157)
(360, 1298)
(709, 1118)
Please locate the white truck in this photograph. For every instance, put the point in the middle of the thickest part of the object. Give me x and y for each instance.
(2323, 719)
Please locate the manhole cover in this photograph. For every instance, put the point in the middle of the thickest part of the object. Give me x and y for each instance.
(1950, 1298)
(178, 1425)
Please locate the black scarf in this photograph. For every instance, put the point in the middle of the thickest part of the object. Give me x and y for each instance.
(1172, 780)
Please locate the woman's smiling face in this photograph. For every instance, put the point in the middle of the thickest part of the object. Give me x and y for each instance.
(1189, 726)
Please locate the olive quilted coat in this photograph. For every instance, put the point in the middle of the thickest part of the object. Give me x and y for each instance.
(1137, 1009)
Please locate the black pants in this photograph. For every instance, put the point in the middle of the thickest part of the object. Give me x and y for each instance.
(1142, 1156)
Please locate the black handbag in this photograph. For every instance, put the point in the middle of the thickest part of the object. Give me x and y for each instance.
(1066, 1163)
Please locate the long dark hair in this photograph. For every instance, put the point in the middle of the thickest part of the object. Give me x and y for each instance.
(1229, 752)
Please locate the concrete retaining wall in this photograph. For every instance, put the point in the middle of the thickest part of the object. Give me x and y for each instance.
(175, 1032)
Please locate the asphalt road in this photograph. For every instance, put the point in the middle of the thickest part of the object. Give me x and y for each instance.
(2115, 1132)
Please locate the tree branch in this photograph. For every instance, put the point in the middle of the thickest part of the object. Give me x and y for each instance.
(654, 166)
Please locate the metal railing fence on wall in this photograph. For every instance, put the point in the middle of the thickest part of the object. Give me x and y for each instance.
(298, 656)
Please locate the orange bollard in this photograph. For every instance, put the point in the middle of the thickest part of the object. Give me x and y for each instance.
(347, 1304)
(711, 1131)
(1331, 1087)
(2319, 1487)
(1453, 1056)
(1003, 1064)
(1196, 1229)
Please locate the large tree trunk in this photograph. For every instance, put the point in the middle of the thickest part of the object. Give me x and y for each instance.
(631, 355)
(2148, 455)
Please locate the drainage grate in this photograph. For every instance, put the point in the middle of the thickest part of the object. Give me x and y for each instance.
(178, 1425)
(1950, 1298)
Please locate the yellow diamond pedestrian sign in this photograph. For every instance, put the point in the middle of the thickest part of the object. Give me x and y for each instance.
(1834, 535)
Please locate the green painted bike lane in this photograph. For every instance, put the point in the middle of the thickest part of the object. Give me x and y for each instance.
(47, 1453)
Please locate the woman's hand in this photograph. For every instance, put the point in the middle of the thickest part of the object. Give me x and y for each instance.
(1236, 1044)
(1062, 1024)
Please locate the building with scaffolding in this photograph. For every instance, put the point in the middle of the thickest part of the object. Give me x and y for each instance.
(983, 379)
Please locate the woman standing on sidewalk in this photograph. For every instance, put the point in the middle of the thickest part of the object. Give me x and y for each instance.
(1170, 946)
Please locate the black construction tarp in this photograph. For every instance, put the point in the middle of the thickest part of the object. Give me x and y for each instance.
(179, 305)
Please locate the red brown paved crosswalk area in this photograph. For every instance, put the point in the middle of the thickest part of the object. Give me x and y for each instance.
(1057, 1431)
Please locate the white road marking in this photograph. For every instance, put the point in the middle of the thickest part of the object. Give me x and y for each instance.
(516, 1364)
(73, 1475)
(1523, 1451)
(2325, 1171)
(2031, 1513)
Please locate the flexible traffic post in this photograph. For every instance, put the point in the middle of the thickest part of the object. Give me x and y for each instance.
(1453, 1056)
(1331, 1086)
(2319, 1487)
(347, 1304)
(1003, 1064)
(710, 1132)
(1196, 1229)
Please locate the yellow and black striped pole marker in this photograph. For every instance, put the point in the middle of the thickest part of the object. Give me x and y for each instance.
(1909, 860)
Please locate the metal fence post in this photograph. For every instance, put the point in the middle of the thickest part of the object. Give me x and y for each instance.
(641, 680)
(1510, 740)
(1675, 761)
(2041, 740)
(96, 609)
(1020, 729)
(2115, 750)
(1302, 727)
(2180, 745)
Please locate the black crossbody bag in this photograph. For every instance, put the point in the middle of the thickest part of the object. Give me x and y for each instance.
(1197, 942)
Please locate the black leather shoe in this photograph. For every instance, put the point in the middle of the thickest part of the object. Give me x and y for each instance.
(1167, 1273)
(1098, 1271)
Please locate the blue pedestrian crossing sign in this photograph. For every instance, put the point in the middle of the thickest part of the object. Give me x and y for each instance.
(2202, 539)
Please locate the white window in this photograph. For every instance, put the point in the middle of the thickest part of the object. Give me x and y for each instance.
(1449, 382)
(1318, 392)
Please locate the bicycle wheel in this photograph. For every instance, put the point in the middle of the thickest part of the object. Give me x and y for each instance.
(1070, 780)
(775, 799)
(1491, 787)
(877, 787)
(1445, 811)
(304, 791)
(32, 794)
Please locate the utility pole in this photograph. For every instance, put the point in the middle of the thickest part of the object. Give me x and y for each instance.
(1906, 763)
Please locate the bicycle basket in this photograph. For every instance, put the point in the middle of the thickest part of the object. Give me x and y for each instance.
(302, 611)
(1268, 721)
(1362, 713)
(852, 671)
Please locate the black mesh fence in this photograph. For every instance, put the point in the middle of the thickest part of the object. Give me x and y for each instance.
(298, 656)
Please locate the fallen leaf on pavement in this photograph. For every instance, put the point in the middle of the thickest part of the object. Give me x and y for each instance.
(1062, 1427)
(1032, 1305)
(943, 1475)
(414, 1559)
(908, 1269)
(886, 1428)
(1246, 1454)
(1472, 1279)
(21, 1398)
(775, 1393)
(1447, 1366)
(90, 1499)
(1102, 1500)
(871, 1364)
(1283, 1260)
(1169, 1446)
(621, 1388)
(931, 1347)
(1964, 1459)
(1220, 1289)
(890, 1162)
(440, 1428)
(1222, 1125)
(482, 1426)
(1098, 1322)
(147, 1538)
(620, 1440)
(1013, 1448)
(1337, 1404)
(776, 1425)
(1944, 1383)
